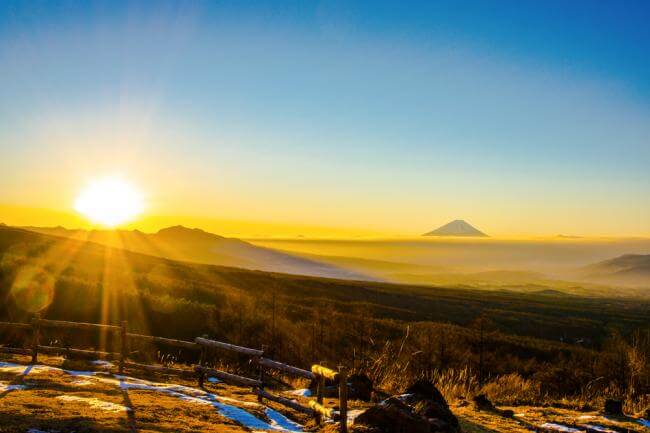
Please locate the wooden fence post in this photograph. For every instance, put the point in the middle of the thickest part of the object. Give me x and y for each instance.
(35, 336)
(320, 391)
(261, 376)
(202, 357)
(123, 345)
(343, 398)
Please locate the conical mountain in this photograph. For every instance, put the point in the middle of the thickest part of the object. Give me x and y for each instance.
(456, 228)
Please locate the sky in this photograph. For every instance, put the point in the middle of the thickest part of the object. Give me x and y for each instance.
(331, 118)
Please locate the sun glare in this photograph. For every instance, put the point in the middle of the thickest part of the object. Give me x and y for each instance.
(109, 202)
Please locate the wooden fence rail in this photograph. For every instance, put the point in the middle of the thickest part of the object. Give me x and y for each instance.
(90, 354)
(168, 341)
(16, 325)
(289, 369)
(77, 325)
(228, 377)
(318, 373)
(228, 346)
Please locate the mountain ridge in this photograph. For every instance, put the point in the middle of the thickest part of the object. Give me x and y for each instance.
(628, 269)
(198, 246)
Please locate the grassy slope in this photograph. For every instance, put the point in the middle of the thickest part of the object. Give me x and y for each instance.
(80, 266)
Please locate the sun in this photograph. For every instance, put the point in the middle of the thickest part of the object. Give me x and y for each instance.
(109, 202)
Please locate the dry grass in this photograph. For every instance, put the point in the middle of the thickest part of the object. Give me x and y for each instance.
(530, 418)
(513, 390)
(98, 405)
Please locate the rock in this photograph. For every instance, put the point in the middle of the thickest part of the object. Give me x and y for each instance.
(393, 416)
(421, 409)
(647, 414)
(423, 389)
(359, 387)
(614, 407)
(438, 415)
(482, 403)
(507, 413)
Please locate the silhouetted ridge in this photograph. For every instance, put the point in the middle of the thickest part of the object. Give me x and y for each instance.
(196, 245)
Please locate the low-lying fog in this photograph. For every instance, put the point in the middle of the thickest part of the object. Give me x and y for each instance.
(562, 258)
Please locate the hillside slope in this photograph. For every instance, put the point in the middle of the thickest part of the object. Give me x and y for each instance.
(195, 245)
(303, 319)
(628, 269)
(152, 288)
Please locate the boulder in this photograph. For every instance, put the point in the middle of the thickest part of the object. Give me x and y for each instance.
(425, 390)
(393, 416)
(483, 403)
(359, 387)
(421, 409)
(614, 407)
(438, 415)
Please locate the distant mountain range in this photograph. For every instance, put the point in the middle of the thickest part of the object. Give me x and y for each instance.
(456, 228)
(401, 266)
(195, 245)
(628, 269)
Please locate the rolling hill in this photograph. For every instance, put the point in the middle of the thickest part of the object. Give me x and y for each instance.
(395, 330)
(77, 275)
(628, 269)
(195, 245)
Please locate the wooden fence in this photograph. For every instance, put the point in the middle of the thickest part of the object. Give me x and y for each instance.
(318, 373)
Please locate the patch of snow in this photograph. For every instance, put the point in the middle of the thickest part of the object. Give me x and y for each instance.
(102, 363)
(198, 396)
(305, 392)
(4, 387)
(520, 415)
(278, 422)
(9, 367)
(586, 417)
(281, 422)
(24, 370)
(242, 417)
(599, 428)
(82, 382)
(644, 422)
(213, 380)
(560, 427)
(81, 373)
(95, 403)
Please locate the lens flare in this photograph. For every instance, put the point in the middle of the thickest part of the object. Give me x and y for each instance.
(109, 202)
(33, 289)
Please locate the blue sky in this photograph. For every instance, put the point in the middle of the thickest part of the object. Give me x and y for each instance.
(521, 117)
